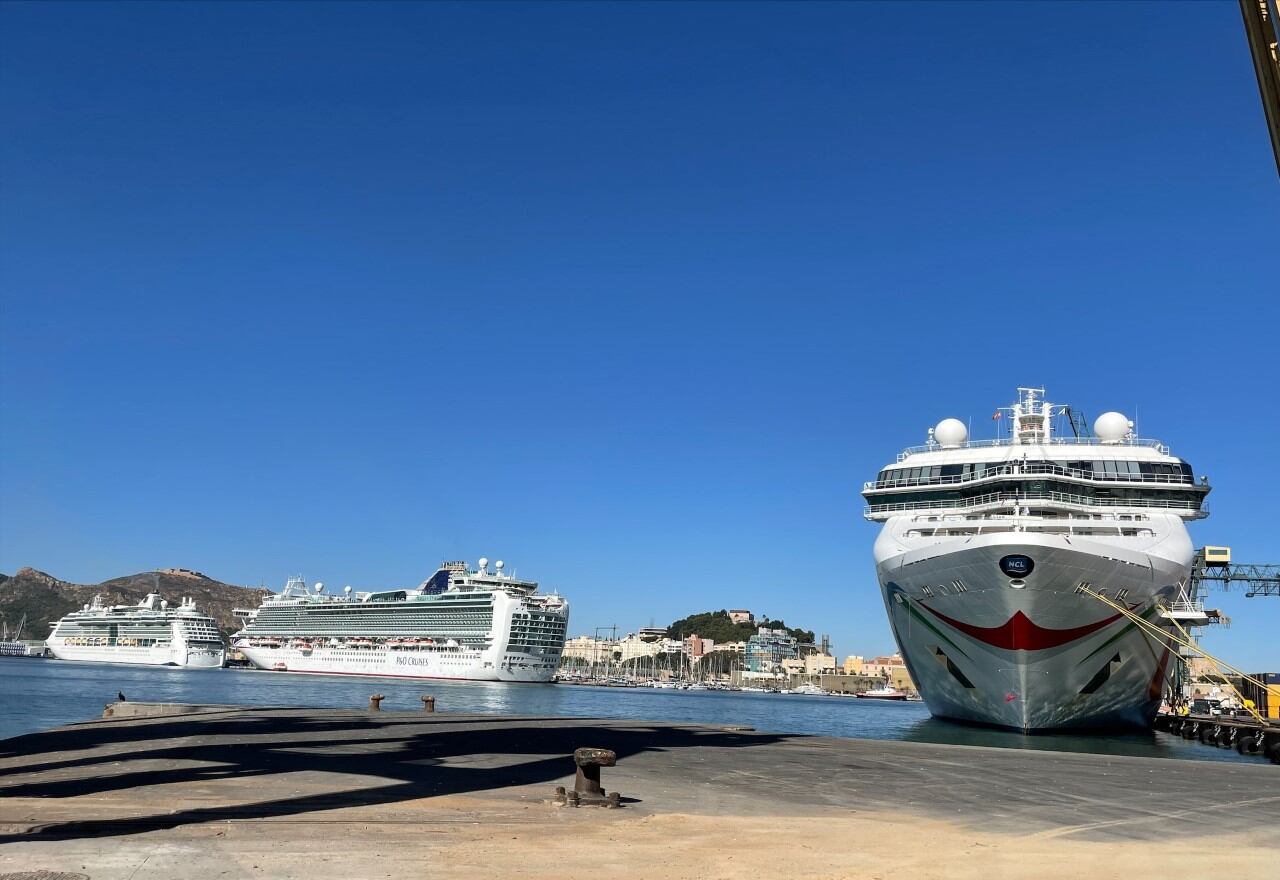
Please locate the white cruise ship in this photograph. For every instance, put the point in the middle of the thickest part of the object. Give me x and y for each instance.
(151, 633)
(479, 625)
(984, 548)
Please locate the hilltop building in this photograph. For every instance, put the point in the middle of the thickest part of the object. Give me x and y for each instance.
(741, 615)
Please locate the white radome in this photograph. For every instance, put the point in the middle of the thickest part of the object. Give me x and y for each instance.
(1111, 427)
(950, 433)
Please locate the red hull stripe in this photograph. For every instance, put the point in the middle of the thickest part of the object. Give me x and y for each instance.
(1019, 633)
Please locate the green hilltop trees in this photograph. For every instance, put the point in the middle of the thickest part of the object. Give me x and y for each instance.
(717, 626)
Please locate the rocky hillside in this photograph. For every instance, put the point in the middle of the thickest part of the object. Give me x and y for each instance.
(43, 598)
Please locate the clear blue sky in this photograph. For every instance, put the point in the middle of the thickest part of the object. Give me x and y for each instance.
(633, 296)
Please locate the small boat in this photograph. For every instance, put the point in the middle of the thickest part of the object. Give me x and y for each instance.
(279, 667)
(882, 693)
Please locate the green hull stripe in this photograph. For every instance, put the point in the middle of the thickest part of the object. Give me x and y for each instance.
(920, 617)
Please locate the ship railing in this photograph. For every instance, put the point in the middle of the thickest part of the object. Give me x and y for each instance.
(1012, 499)
(1031, 469)
(1052, 441)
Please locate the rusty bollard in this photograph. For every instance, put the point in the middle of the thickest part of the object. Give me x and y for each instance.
(589, 762)
(428, 703)
(375, 703)
(586, 785)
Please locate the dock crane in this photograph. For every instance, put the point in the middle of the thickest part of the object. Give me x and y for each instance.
(1214, 565)
(1263, 33)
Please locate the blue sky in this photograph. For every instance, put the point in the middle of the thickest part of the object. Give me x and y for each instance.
(633, 296)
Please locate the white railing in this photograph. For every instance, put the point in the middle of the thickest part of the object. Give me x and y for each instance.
(1052, 441)
(1011, 499)
(1032, 469)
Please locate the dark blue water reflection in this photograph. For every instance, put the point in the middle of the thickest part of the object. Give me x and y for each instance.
(39, 694)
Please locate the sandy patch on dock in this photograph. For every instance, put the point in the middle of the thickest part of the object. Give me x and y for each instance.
(462, 836)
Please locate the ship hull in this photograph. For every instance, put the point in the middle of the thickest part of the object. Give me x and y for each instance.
(1033, 653)
(461, 665)
(190, 657)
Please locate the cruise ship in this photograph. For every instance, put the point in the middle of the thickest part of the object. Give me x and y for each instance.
(151, 633)
(460, 623)
(985, 548)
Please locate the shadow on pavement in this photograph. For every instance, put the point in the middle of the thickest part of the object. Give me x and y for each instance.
(411, 762)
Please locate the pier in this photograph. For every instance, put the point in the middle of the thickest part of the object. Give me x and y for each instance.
(161, 790)
(1246, 736)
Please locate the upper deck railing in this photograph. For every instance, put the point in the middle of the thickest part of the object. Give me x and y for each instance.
(1052, 441)
(1033, 469)
(1055, 499)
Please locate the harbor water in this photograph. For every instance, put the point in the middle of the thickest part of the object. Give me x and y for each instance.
(41, 694)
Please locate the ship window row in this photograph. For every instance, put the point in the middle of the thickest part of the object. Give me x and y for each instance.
(474, 617)
(1034, 487)
(1103, 469)
(1022, 494)
(133, 631)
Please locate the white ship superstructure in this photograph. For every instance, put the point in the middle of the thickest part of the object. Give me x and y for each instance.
(985, 546)
(151, 633)
(460, 623)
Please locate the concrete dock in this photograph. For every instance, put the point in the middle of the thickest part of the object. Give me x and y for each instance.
(227, 792)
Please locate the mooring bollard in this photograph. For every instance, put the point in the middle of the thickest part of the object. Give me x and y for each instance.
(586, 785)
(428, 703)
(375, 703)
(589, 762)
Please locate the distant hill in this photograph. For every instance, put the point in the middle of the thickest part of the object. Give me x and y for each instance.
(44, 599)
(717, 626)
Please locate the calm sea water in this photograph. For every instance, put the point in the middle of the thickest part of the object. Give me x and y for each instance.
(40, 694)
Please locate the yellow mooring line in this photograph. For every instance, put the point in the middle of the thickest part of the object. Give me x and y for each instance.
(1184, 640)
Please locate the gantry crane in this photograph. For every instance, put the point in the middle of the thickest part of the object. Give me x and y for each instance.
(1214, 565)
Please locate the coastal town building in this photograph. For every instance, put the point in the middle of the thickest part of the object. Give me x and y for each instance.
(589, 650)
(771, 657)
(819, 664)
(768, 648)
(741, 615)
(883, 666)
(694, 647)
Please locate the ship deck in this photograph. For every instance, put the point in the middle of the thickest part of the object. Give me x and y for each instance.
(234, 792)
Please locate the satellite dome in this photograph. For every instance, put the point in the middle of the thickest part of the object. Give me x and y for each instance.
(319, 587)
(347, 589)
(498, 565)
(1111, 427)
(950, 433)
(484, 563)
